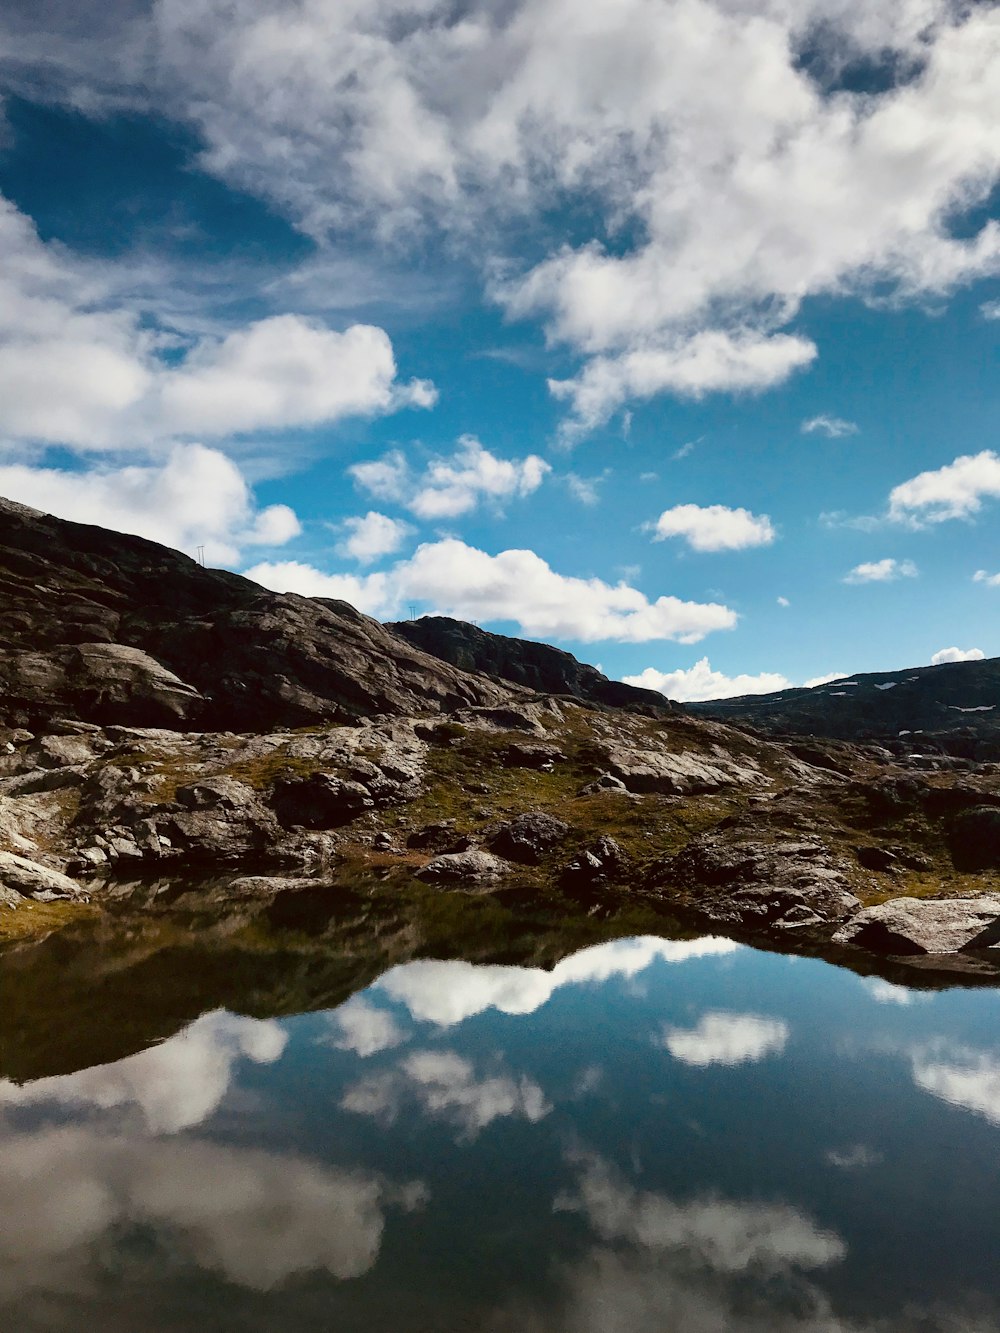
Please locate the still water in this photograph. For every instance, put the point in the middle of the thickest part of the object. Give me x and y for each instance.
(680, 1136)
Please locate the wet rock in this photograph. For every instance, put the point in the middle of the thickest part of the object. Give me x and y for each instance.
(319, 801)
(464, 867)
(925, 926)
(528, 837)
(974, 839)
(32, 880)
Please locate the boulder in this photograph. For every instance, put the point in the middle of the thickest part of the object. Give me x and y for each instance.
(925, 926)
(528, 837)
(464, 867)
(974, 839)
(600, 862)
(29, 879)
(319, 801)
(604, 783)
(518, 755)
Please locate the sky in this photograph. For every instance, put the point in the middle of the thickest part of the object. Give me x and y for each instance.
(662, 330)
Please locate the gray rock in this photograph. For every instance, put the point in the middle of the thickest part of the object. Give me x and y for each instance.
(925, 926)
(319, 801)
(974, 839)
(679, 774)
(602, 861)
(464, 867)
(528, 837)
(32, 880)
(606, 782)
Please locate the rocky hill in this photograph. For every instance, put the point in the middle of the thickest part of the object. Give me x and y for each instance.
(953, 708)
(101, 627)
(537, 666)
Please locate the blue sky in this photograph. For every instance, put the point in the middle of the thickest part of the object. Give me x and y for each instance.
(663, 330)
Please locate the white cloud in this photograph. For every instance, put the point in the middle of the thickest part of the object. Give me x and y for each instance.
(956, 490)
(195, 497)
(407, 117)
(714, 527)
(834, 428)
(450, 487)
(585, 490)
(80, 368)
(881, 571)
(175, 1085)
(825, 680)
(459, 580)
(448, 992)
(727, 1039)
(990, 310)
(957, 655)
(991, 580)
(445, 1085)
(372, 536)
(691, 367)
(700, 682)
(884, 992)
(783, 601)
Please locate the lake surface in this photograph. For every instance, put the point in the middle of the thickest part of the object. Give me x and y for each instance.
(680, 1136)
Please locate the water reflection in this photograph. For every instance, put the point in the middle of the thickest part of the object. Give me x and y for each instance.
(648, 1135)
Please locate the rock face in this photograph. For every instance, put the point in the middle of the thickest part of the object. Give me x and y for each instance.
(112, 629)
(678, 774)
(925, 926)
(472, 867)
(528, 837)
(975, 839)
(28, 879)
(538, 666)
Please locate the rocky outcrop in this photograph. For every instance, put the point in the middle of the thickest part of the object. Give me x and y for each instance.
(925, 926)
(537, 666)
(457, 868)
(529, 837)
(645, 770)
(112, 629)
(22, 878)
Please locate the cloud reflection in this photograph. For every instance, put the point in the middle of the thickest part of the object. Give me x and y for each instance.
(255, 1218)
(445, 1085)
(727, 1039)
(175, 1085)
(966, 1078)
(446, 993)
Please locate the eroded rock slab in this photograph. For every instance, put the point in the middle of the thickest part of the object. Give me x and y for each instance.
(29, 879)
(925, 926)
(473, 867)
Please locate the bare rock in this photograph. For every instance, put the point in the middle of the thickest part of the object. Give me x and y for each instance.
(603, 784)
(474, 867)
(975, 839)
(519, 755)
(679, 773)
(528, 837)
(32, 880)
(925, 926)
(601, 862)
(319, 801)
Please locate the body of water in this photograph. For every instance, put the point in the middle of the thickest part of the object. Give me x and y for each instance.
(679, 1136)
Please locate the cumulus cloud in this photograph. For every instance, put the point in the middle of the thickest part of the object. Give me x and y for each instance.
(175, 1085)
(834, 428)
(445, 1085)
(956, 490)
(450, 487)
(448, 992)
(824, 680)
(195, 497)
(459, 580)
(982, 576)
(727, 1039)
(881, 571)
(957, 655)
(80, 368)
(411, 118)
(714, 527)
(698, 683)
(372, 536)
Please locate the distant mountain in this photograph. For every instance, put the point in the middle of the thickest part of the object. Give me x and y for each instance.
(101, 627)
(954, 707)
(538, 666)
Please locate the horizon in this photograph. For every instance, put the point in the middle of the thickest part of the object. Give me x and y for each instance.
(507, 315)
